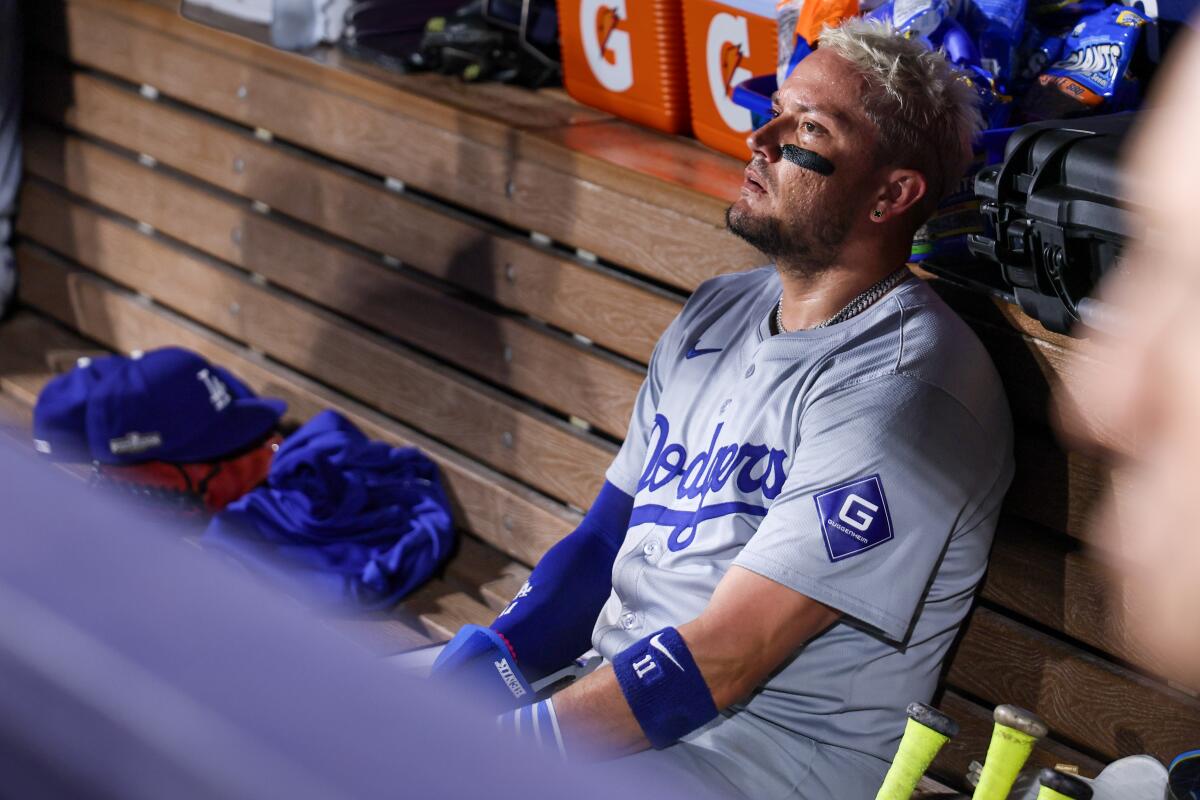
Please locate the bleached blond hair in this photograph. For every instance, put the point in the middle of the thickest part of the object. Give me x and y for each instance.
(925, 109)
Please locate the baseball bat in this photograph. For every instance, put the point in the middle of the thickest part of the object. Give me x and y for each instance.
(1013, 736)
(925, 732)
(1057, 785)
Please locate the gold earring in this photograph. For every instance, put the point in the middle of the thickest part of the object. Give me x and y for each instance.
(877, 213)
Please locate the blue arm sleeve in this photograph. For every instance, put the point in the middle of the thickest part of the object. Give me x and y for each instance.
(550, 621)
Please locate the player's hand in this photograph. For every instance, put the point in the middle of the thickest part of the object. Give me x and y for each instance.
(479, 658)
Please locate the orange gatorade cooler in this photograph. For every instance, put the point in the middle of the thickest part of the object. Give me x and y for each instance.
(728, 41)
(627, 57)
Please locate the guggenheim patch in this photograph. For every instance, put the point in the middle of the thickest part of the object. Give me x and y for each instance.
(854, 517)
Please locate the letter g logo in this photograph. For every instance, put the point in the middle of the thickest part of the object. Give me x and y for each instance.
(608, 49)
(853, 523)
(728, 44)
(861, 520)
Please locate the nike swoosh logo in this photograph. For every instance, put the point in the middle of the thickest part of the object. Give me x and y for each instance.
(694, 352)
(657, 645)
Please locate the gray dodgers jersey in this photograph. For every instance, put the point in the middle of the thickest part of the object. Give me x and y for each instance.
(861, 464)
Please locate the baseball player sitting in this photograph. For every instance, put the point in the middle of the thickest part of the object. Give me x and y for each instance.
(792, 534)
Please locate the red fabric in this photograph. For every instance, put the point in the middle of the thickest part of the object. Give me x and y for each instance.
(212, 484)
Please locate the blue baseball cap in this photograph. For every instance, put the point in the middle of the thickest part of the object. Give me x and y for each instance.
(60, 415)
(172, 405)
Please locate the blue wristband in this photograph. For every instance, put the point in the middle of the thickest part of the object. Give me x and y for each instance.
(664, 687)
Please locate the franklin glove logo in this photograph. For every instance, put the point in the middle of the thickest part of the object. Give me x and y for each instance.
(509, 677)
(854, 517)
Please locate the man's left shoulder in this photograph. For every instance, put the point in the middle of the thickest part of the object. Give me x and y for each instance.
(939, 348)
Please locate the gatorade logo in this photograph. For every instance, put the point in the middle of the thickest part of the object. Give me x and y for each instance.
(727, 47)
(608, 48)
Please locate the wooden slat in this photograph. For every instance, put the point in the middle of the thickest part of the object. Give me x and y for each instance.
(929, 789)
(486, 573)
(505, 117)
(442, 609)
(500, 266)
(592, 385)
(1084, 699)
(1034, 371)
(504, 433)
(1056, 582)
(32, 352)
(381, 634)
(971, 744)
(497, 181)
(1058, 489)
(514, 519)
(15, 421)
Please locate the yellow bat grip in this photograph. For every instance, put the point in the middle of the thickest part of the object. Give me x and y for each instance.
(1046, 793)
(918, 747)
(1007, 753)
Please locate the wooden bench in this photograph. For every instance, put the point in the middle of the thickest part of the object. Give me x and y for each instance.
(482, 272)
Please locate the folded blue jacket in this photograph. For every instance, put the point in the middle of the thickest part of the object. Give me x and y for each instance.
(341, 517)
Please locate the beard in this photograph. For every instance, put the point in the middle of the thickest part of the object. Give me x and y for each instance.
(801, 243)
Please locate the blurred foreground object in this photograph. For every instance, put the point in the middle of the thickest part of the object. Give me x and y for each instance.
(133, 666)
(10, 144)
(1144, 387)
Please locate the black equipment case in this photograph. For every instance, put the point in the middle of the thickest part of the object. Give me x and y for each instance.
(1056, 217)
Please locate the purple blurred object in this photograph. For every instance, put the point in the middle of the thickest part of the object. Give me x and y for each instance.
(133, 665)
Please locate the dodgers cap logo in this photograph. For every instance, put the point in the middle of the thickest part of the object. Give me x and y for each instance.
(854, 517)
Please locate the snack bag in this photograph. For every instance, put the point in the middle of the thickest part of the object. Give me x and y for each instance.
(1093, 71)
(1038, 51)
(998, 26)
(953, 39)
(920, 17)
(800, 25)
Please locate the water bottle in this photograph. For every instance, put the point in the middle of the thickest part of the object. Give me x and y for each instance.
(295, 24)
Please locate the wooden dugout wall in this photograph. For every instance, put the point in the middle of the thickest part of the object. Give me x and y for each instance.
(483, 271)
